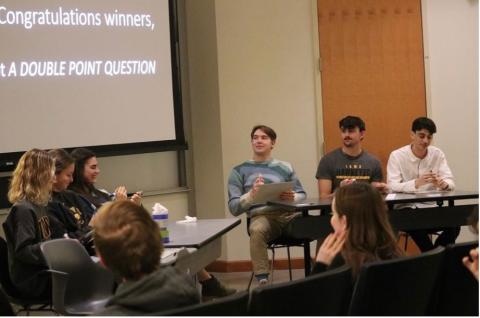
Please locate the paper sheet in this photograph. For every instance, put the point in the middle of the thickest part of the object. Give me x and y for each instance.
(271, 192)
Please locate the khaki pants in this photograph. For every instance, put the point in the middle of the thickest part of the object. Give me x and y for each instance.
(264, 228)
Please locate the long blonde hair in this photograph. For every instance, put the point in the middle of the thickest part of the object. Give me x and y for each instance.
(32, 178)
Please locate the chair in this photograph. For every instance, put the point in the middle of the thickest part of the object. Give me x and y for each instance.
(79, 285)
(324, 294)
(283, 241)
(398, 287)
(233, 305)
(14, 296)
(457, 289)
(5, 307)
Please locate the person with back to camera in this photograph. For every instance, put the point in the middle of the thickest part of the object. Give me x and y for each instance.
(420, 166)
(85, 176)
(266, 223)
(28, 224)
(128, 242)
(72, 210)
(362, 230)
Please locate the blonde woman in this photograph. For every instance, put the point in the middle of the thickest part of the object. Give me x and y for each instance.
(28, 224)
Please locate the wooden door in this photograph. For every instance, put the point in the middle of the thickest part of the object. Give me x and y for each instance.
(372, 66)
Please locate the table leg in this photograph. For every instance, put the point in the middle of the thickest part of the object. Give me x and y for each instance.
(306, 250)
(306, 257)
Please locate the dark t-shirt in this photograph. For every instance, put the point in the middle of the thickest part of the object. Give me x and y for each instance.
(337, 166)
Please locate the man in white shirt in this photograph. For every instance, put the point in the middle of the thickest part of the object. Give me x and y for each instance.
(421, 167)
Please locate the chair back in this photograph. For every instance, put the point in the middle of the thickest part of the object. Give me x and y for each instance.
(457, 289)
(324, 294)
(79, 286)
(5, 280)
(233, 305)
(5, 307)
(398, 287)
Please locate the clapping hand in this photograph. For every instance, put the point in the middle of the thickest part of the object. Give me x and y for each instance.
(120, 193)
(137, 198)
(471, 262)
(380, 186)
(256, 185)
(345, 182)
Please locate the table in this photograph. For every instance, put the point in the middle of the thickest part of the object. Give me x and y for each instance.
(194, 245)
(314, 227)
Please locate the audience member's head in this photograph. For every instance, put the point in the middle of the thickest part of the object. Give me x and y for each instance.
(64, 168)
(361, 211)
(267, 130)
(351, 122)
(424, 123)
(127, 240)
(32, 178)
(86, 168)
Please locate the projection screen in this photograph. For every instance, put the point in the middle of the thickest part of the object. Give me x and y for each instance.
(94, 73)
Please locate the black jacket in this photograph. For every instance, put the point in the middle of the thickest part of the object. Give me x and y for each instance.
(26, 226)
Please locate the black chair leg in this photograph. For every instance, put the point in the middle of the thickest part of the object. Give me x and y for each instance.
(289, 263)
(272, 268)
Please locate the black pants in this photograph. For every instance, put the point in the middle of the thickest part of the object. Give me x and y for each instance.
(424, 243)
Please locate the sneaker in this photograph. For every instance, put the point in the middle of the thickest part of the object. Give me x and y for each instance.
(263, 282)
(213, 288)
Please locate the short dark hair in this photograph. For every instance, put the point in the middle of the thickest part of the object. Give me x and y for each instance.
(127, 239)
(267, 130)
(424, 123)
(350, 122)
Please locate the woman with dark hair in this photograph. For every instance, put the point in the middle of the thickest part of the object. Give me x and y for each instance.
(71, 210)
(27, 224)
(85, 176)
(362, 231)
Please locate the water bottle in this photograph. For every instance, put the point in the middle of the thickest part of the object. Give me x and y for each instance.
(160, 216)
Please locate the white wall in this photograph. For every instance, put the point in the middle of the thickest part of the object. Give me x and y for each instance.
(451, 62)
(451, 49)
(265, 72)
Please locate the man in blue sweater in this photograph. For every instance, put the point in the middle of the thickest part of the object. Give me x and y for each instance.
(266, 222)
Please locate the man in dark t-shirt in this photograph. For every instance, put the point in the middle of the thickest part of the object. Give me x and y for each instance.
(350, 163)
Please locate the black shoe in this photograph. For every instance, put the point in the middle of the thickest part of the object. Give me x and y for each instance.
(213, 288)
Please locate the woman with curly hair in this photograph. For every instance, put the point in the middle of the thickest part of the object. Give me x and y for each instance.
(27, 224)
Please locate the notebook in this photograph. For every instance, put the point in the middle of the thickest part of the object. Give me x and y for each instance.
(271, 192)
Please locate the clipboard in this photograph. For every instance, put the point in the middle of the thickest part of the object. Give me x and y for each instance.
(271, 191)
